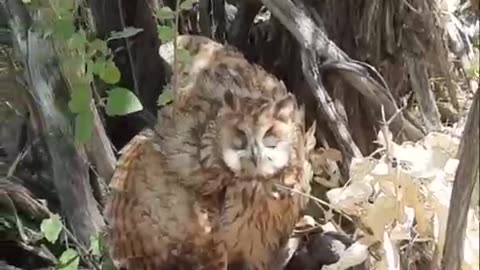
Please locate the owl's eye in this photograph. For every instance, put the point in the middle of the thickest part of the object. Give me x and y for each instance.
(239, 140)
(270, 140)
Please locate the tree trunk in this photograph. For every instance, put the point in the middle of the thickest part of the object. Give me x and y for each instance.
(50, 95)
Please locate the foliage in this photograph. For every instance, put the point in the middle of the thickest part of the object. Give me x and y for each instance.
(51, 228)
(69, 260)
(82, 59)
(167, 33)
(122, 101)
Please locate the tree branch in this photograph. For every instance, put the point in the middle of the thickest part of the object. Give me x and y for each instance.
(50, 94)
(311, 37)
(463, 186)
(335, 122)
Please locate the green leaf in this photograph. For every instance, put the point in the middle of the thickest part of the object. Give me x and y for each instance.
(187, 4)
(165, 97)
(80, 99)
(66, 5)
(97, 45)
(51, 228)
(125, 33)
(122, 101)
(183, 55)
(63, 28)
(110, 73)
(77, 41)
(166, 33)
(83, 126)
(96, 67)
(166, 13)
(69, 260)
(95, 245)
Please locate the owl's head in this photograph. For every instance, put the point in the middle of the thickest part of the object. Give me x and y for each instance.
(257, 135)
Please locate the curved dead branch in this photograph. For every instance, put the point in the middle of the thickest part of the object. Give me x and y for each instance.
(311, 37)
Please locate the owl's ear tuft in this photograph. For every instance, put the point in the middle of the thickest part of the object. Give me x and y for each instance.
(231, 101)
(284, 108)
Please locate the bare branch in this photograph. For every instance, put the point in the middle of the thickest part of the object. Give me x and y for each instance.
(465, 179)
(310, 36)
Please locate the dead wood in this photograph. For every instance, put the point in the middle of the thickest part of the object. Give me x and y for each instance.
(476, 6)
(238, 32)
(50, 93)
(336, 124)
(15, 195)
(213, 19)
(424, 94)
(310, 36)
(100, 154)
(463, 187)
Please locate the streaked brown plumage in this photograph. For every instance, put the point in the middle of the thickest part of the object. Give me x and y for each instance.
(206, 180)
(155, 223)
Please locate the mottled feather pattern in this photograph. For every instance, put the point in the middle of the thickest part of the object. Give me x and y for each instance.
(143, 229)
(177, 202)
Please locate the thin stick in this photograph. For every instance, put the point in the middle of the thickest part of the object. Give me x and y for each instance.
(129, 51)
(175, 35)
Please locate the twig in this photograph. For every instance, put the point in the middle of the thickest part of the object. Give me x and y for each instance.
(175, 46)
(81, 247)
(313, 198)
(129, 51)
(19, 224)
(338, 127)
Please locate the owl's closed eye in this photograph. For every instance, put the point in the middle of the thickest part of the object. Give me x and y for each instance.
(256, 134)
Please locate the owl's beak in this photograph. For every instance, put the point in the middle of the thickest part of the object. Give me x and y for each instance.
(254, 161)
(255, 155)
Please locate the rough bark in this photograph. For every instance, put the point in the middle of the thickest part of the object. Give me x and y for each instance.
(213, 19)
(424, 94)
(100, 154)
(336, 124)
(463, 187)
(50, 93)
(238, 32)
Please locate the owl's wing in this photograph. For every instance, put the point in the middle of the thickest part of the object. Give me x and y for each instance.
(155, 223)
(131, 225)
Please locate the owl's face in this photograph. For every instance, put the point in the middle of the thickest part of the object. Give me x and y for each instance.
(256, 135)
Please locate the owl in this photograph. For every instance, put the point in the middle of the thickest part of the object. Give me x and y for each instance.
(219, 180)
